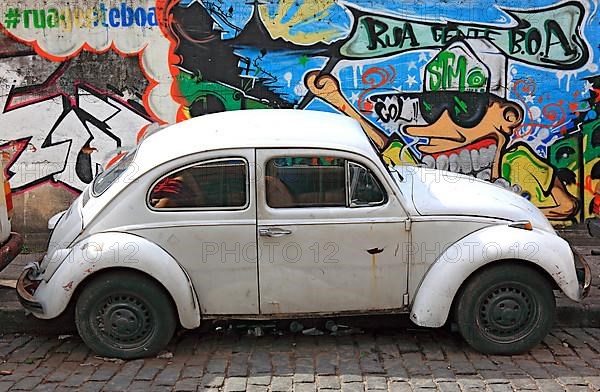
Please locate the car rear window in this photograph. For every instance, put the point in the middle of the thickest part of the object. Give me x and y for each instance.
(212, 185)
(108, 177)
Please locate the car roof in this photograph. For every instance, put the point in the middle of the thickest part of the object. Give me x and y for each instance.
(262, 128)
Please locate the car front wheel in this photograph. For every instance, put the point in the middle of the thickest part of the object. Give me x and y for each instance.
(505, 309)
(125, 315)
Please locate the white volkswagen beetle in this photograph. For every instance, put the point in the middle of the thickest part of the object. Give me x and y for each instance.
(280, 214)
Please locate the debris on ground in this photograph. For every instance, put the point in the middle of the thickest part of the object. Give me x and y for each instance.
(64, 337)
(312, 332)
(331, 326)
(296, 327)
(6, 372)
(118, 361)
(165, 355)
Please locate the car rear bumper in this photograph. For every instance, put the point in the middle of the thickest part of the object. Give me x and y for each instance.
(11, 248)
(584, 274)
(26, 287)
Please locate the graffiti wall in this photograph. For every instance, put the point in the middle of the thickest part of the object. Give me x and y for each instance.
(504, 91)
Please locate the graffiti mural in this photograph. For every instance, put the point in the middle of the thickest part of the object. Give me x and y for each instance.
(500, 91)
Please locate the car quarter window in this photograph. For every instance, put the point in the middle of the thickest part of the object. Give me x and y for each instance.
(218, 184)
(295, 182)
(364, 188)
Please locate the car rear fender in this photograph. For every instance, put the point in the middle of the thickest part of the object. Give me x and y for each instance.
(434, 297)
(118, 250)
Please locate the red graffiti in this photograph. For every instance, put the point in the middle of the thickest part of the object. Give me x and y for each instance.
(370, 78)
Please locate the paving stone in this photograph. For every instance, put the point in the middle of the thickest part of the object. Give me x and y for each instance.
(95, 386)
(326, 364)
(45, 387)
(139, 386)
(374, 382)
(255, 388)
(235, 384)
(212, 380)
(79, 376)
(260, 362)
(281, 384)
(217, 365)
(6, 385)
(523, 383)
(448, 387)
(303, 377)
(169, 375)
(305, 387)
(328, 382)
(186, 384)
(27, 383)
(349, 378)
(401, 386)
(262, 379)
(353, 387)
(104, 372)
(500, 387)
(422, 383)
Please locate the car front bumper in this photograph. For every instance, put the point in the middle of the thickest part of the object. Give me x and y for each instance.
(584, 274)
(26, 286)
(11, 248)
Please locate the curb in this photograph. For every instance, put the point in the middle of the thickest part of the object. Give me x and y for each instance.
(578, 315)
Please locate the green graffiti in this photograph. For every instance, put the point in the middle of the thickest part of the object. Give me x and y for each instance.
(194, 89)
(448, 71)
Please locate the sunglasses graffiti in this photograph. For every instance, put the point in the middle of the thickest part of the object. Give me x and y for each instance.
(465, 109)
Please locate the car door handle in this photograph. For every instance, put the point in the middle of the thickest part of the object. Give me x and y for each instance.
(273, 232)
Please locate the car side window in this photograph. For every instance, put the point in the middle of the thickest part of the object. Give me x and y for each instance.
(215, 185)
(296, 182)
(365, 189)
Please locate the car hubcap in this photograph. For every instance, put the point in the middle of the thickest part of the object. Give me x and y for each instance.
(124, 320)
(507, 313)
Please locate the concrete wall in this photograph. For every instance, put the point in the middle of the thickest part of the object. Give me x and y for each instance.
(502, 90)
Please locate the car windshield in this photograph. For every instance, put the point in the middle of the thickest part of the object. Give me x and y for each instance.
(105, 179)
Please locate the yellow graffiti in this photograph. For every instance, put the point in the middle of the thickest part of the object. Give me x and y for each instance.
(280, 25)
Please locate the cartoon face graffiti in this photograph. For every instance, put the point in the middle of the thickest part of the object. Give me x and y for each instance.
(464, 131)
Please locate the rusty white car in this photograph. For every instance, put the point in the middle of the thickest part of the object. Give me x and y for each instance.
(275, 214)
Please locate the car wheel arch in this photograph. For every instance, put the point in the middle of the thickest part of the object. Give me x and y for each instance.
(153, 261)
(536, 267)
(109, 270)
(434, 297)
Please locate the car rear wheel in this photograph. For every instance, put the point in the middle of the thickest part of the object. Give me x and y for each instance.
(125, 315)
(505, 309)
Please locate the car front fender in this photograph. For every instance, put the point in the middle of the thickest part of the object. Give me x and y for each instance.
(434, 297)
(118, 250)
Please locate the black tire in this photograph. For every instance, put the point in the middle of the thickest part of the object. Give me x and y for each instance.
(136, 308)
(505, 309)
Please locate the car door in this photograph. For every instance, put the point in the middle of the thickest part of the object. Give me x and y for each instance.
(321, 247)
(202, 211)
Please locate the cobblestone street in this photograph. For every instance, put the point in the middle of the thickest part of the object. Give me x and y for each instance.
(399, 360)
